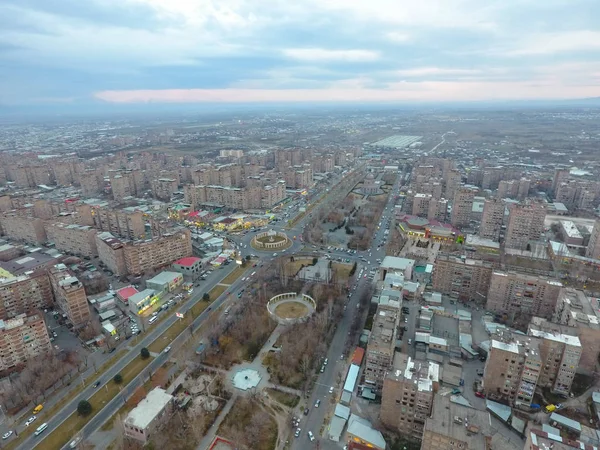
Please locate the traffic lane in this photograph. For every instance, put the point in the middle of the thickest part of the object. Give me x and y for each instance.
(112, 407)
(150, 337)
(316, 416)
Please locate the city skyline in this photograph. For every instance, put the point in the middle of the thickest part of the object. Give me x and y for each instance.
(147, 51)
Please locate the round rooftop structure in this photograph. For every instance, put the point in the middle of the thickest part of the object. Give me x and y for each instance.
(290, 308)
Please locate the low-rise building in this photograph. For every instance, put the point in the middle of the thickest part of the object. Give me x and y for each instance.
(148, 415)
(141, 301)
(21, 338)
(454, 426)
(165, 282)
(190, 266)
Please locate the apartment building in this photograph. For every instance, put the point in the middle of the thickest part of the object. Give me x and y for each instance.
(111, 252)
(560, 175)
(462, 206)
(517, 364)
(492, 219)
(24, 228)
(164, 188)
(70, 295)
(462, 278)
(438, 209)
(91, 182)
(452, 182)
(420, 206)
(25, 293)
(120, 223)
(560, 355)
(141, 256)
(21, 338)
(525, 223)
(407, 395)
(72, 238)
(250, 197)
(381, 346)
(514, 293)
(593, 248)
(512, 369)
(121, 186)
(454, 426)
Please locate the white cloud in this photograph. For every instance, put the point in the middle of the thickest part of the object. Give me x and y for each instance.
(559, 42)
(396, 36)
(419, 72)
(323, 54)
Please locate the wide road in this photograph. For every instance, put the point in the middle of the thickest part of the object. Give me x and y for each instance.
(150, 336)
(316, 416)
(136, 344)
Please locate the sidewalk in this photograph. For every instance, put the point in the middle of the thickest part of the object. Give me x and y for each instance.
(210, 435)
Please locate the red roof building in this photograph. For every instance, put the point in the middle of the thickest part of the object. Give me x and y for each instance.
(188, 261)
(358, 356)
(124, 293)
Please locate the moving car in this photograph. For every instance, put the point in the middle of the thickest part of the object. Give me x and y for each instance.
(317, 403)
(479, 394)
(167, 349)
(30, 421)
(7, 434)
(331, 390)
(96, 384)
(311, 436)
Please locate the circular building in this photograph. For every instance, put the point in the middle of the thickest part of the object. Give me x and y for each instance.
(290, 308)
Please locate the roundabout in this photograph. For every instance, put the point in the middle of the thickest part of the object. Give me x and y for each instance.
(290, 308)
(271, 240)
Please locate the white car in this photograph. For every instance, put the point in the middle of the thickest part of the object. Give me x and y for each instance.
(311, 436)
(167, 349)
(317, 403)
(331, 390)
(7, 434)
(30, 421)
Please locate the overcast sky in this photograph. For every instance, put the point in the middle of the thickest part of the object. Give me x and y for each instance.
(135, 51)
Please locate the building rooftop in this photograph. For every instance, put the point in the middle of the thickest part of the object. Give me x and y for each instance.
(362, 428)
(141, 296)
(164, 277)
(542, 440)
(556, 337)
(127, 292)
(570, 229)
(145, 412)
(393, 262)
(27, 263)
(383, 332)
(188, 261)
(422, 373)
(459, 422)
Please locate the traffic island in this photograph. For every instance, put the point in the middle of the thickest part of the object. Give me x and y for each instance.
(271, 241)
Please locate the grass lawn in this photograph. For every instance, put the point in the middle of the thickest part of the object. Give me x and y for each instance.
(342, 270)
(291, 310)
(216, 292)
(290, 400)
(237, 272)
(61, 435)
(49, 412)
(292, 267)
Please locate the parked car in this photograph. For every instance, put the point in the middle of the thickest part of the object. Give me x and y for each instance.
(479, 394)
(317, 403)
(7, 434)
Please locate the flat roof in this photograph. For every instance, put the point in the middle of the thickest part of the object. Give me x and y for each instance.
(397, 141)
(141, 296)
(127, 292)
(351, 378)
(570, 229)
(188, 261)
(393, 262)
(362, 428)
(164, 277)
(145, 412)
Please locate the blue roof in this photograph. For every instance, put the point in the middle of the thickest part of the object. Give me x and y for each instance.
(351, 378)
(569, 423)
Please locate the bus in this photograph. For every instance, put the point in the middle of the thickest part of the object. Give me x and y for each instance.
(41, 429)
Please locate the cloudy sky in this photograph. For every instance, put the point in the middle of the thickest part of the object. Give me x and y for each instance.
(165, 51)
